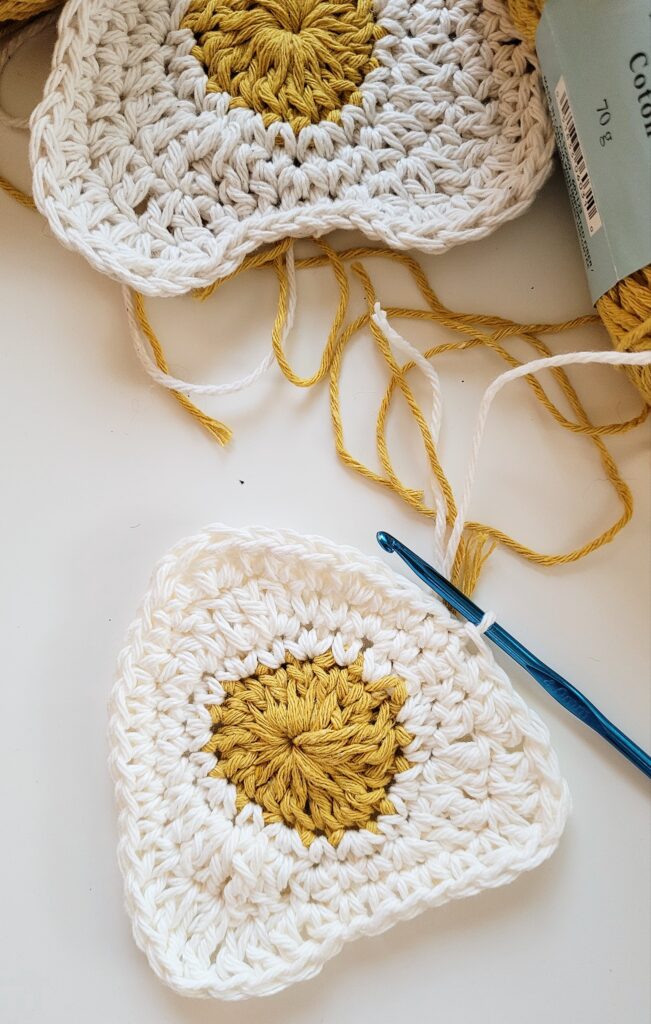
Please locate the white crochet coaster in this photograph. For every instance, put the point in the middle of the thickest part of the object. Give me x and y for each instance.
(176, 136)
(308, 748)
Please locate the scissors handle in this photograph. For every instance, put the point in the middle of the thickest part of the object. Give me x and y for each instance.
(555, 685)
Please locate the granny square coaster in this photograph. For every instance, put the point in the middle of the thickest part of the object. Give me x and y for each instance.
(306, 749)
(177, 136)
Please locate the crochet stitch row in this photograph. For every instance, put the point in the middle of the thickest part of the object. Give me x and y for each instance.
(298, 61)
(312, 744)
(432, 130)
(230, 900)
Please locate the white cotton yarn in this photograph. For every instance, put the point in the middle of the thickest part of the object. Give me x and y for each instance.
(446, 551)
(166, 380)
(225, 905)
(162, 185)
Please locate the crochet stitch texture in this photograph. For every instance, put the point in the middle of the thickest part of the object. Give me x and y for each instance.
(311, 742)
(298, 61)
(306, 749)
(177, 136)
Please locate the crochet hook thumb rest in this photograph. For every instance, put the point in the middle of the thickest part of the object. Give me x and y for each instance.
(560, 689)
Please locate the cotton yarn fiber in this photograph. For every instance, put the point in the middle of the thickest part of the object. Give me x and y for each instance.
(176, 137)
(14, 13)
(352, 270)
(307, 748)
(130, 169)
(626, 308)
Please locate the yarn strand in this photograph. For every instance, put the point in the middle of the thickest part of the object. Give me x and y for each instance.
(474, 542)
(535, 366)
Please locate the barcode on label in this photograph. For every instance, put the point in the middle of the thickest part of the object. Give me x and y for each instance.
(577, 159)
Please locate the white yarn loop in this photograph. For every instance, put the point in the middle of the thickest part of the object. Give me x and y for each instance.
(436, 417)
(380, 318)
(448, 552)
(487, 620)
(166, 380)
(491, 392)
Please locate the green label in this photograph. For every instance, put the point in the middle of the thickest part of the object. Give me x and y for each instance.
(595, 57)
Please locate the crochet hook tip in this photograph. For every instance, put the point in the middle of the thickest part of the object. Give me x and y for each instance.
(572, 699)
(386, 541)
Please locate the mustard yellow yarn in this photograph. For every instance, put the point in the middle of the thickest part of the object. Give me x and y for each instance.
(22, 10)
(16, 193)
(312, 744)
(475, 330)
(626, 308)
(215, 428)
(626, 313)
(14, 12)
(472, 330)
(298, 61)
(526, 15)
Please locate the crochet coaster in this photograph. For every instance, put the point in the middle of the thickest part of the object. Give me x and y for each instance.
(308, 748)
(176, 137)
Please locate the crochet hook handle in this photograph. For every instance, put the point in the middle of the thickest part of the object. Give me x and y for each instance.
(558, 687)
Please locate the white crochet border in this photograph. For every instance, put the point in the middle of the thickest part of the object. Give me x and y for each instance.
(224, 905)
(438, 153)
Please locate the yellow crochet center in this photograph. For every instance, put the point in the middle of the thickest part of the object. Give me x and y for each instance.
(298, 61)
(313, 744)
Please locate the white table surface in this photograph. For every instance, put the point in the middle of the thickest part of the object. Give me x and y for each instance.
(101, 472)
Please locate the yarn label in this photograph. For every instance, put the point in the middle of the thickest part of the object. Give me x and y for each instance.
(595, 58)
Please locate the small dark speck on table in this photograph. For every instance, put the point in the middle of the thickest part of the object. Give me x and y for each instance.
(241, 481)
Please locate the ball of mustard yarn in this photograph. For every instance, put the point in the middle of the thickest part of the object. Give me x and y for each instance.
(626, 308)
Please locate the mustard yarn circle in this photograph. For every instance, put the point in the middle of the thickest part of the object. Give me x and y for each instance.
(312, 743)
(298, 61)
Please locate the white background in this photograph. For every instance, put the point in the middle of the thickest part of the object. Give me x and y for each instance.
(101, 472)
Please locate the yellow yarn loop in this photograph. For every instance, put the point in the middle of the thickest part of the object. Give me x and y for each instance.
(16, 193)
(312, 743)
(471, 331)
(479, 540)
(218, 430)
(298, 61)
(626, 308)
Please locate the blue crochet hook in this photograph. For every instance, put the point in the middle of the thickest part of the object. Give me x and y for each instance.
(559, 688)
